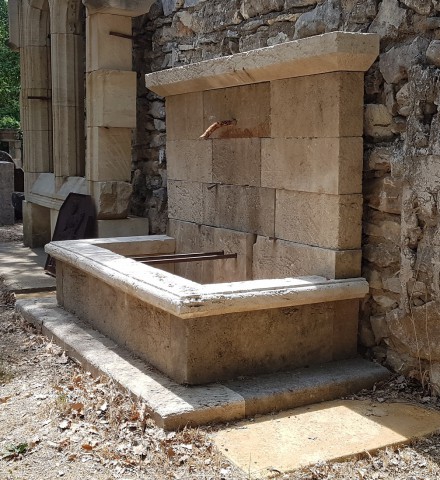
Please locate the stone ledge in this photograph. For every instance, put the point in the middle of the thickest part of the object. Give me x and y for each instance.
(187, 299)
(174, 406)
(330, 52)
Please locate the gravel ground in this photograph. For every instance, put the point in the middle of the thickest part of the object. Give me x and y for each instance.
(56, 421)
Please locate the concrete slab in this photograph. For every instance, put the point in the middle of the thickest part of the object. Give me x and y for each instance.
(174, 406)
(325, 432)
(22, 268)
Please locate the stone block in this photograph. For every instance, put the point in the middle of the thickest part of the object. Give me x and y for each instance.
(123, 227)
(36, 225)
(242, 208)
(105, 51)
(67, 88)
(38, 150)
(189, 160)
(112, 199)
(108, 154)
(184, 116)
(320, 165)
(201, 238)
(6, 189)
(377, 124)
(384, 194)
(274, 258)
(239, 103)
(345, 329)
(111, 99)
(185, 200)
(329, 221)
(236, 161)
(38, 66)
(326, 105)
(67, 152)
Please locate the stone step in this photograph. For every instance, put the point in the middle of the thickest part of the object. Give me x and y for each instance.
(173, 406)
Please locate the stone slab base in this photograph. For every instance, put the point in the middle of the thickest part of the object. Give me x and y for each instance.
(174, 406)
(122, 227)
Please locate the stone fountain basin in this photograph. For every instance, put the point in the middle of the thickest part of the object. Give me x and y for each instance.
(198, 333)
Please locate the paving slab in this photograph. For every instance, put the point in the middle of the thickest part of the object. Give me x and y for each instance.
(23, 268)
(325, 432)
(174, 406)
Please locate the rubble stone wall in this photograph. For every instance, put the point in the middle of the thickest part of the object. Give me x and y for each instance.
(401, 234)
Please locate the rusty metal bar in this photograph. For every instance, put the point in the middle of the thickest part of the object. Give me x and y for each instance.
(122, 35)
(166, 256)
(37, 97)
(187, 257)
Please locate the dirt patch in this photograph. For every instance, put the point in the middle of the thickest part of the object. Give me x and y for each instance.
(56, 421)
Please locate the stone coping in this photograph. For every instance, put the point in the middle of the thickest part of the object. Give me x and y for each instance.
(187, 299)
(329, 52)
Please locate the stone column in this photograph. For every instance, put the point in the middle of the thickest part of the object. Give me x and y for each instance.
(36, 111)
(110, 104)
(67, 45)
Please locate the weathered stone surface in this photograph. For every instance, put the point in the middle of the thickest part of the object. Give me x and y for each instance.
(336, 110)
(296, 164)
(423, 7)
(105, 51)
(417, 331)
(330, 221)
(325, 17)
(242, 208)
(404, 100)
(384, 254)
(111, 99)
(6, 189)
(237, 103)
(108, 154)
(184, 116)
(252, 8)
(237, 161)
(389, 20)
(190, 160)
(130, 8)
(395, 63)
(111, 199)
(385, 194)
(185, 200)
(280, 259)
(433, 53)
(377, 122)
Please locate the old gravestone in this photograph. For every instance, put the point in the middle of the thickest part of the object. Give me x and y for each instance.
(6, 189)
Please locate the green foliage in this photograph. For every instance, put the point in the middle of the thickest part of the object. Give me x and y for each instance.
(9, 75)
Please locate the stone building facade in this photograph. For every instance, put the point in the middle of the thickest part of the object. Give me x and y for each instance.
(400, 322)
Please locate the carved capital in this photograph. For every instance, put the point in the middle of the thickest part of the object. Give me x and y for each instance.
(127, 8)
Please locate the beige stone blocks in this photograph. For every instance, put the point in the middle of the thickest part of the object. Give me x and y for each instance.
(66, 152)
(105, 51)
(320, 165)
(184, 116)
(111, 199)
(123, 227)
(237, 161)
(108, 154)
(189, 160)
(38, 150)
(185, 200)
(194, 238)
(326, 105)
(242, 208)
(67, 71)
(273, 258)
(249, 105)
(111, 99)
(329, 221)
(345, 329)
(36, 225)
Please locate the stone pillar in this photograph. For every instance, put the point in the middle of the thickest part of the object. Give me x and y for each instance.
(6, 189)
(67, 45)
(110, 105)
